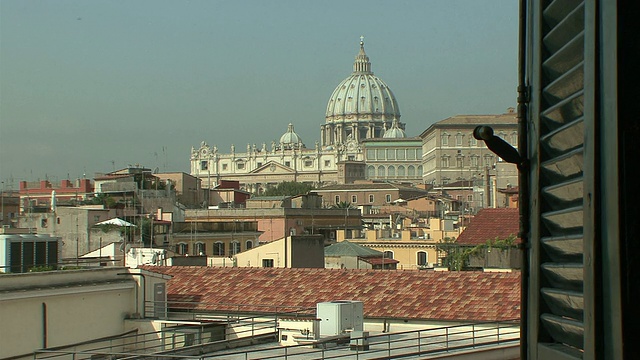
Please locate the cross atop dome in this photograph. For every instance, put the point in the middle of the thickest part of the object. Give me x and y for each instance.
(362, 64)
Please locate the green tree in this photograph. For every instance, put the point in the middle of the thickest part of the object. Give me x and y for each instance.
(288, 188)
(342, 205)
(102, 199)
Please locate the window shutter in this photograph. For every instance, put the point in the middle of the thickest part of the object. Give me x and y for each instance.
(561, 153)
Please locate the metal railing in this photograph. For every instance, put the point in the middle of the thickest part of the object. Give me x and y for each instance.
(251, 330)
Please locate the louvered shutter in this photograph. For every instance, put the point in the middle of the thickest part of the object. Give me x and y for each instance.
(560, 152)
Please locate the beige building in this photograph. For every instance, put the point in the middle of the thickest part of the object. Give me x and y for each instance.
(412, 248)
(450, 153)
(67, 308)
(306, 251)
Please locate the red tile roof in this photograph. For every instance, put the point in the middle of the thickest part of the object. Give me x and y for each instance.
(423, 295)
(489, 224)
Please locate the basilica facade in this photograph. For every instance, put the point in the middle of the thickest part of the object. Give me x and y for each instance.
(361, 110)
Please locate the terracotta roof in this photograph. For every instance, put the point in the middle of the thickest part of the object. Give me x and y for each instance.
(409, 294)
(491, 223)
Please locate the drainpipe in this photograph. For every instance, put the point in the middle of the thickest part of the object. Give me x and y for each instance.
(44, 325)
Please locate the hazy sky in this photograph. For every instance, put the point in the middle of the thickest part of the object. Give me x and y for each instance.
(93, 86)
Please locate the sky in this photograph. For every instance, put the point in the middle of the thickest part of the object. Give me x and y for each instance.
(93, 86)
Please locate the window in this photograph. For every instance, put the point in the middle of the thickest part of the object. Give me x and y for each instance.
(444, 162)
(371, 198)
(459, 197)
(472, 141)
(380, 154)
(459, 162)
(268, 263)
(381, 171)
(337, 198)
(287, 163)
(249, 244)
(371, 154)
(422, 258)
(204, 165)
(387, 198)
(308, 163)
(182, 248)
(391, 154)
(474, 161)
(459, 137)
(401, 171)
(488, 161)
(371, 172)
(327, 163)
(354, 199)
(234, 248)
(240, 166)
(43, 223)
(96, 218)
(218, 249)
(444, 139)
(411, 170)
(469, 198)
(224, 166)
(200, 249)
(514, 139)
(388, 254)
(401, 153)
(259, 164)
(391, 171)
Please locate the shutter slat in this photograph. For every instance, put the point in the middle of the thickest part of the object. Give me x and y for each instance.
(565, 111)
(565, 221)
(565, 31)
(564, 248)
(566, 85)
(564, 330)
(564, 139)
(558, 10)
(566, 276)
(564, 167)
(566, 58)
(564, 195)
(565, 303)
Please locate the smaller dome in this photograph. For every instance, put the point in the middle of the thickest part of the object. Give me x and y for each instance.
(291, 138)
(395, 132)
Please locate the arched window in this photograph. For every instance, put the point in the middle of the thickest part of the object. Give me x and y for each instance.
(371, 172)
(401, 171)
(182, 248)
(249, 244)
(422, 258)
(201, 248)
(381, 171)
(391, 171)
(420, 170)
(412, 170)
(218, 249)
(388, 254)
(444, 139)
